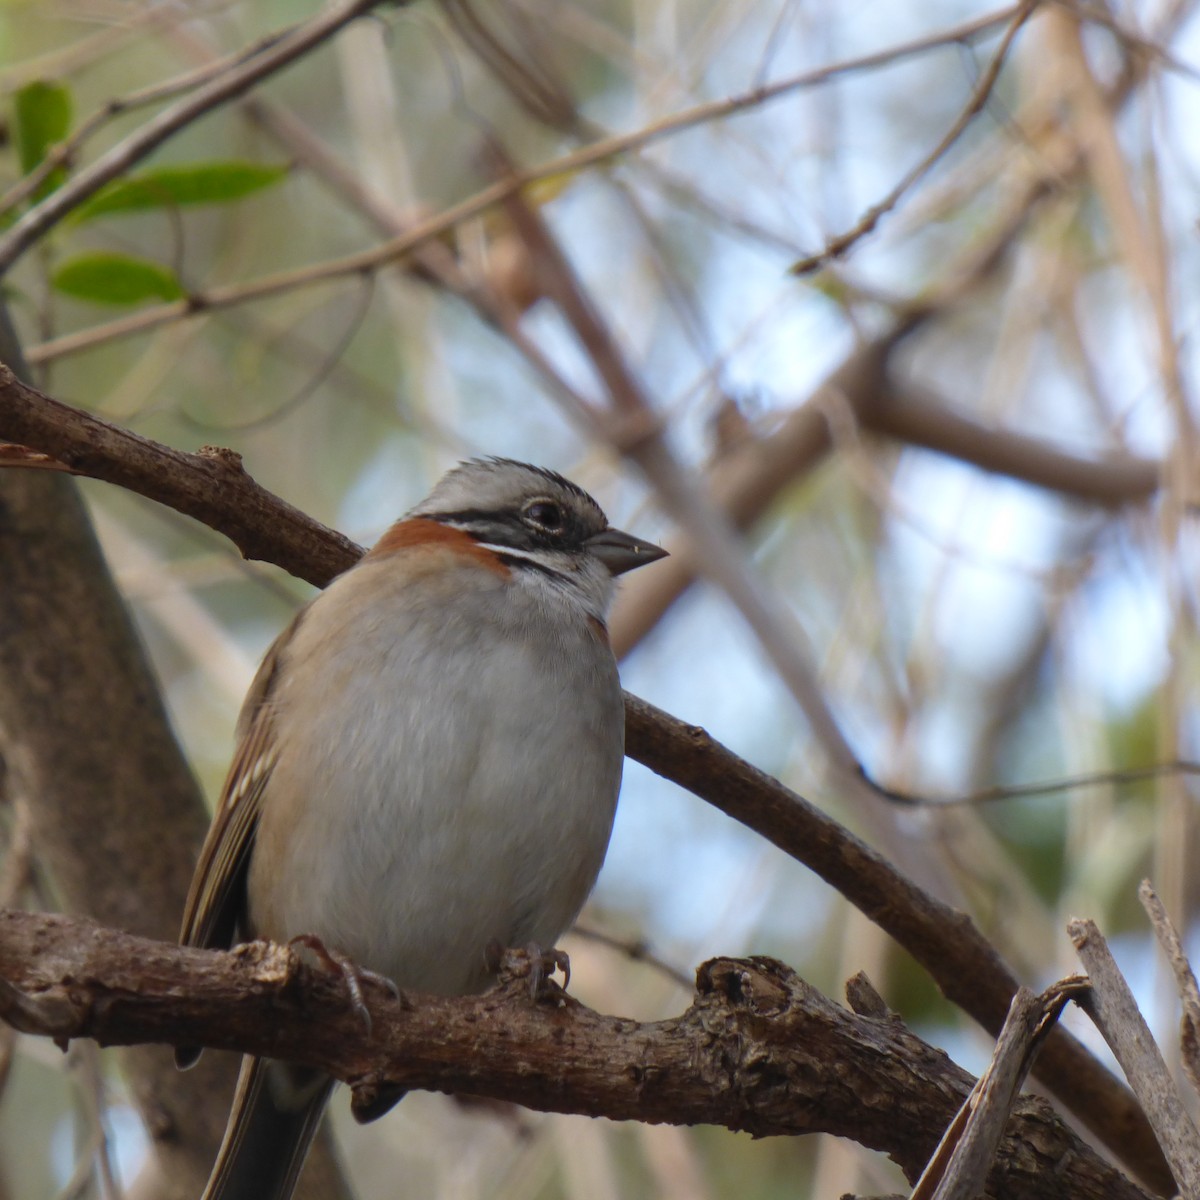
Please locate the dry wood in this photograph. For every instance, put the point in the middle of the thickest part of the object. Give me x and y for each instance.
(1112, 1007)
(946, 942)
(758, 1050)
(960, 1166)
(1185, 980)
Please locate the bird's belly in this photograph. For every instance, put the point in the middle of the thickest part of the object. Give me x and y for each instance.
(480, 814)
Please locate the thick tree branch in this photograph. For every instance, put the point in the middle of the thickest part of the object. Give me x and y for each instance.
(758, 1050)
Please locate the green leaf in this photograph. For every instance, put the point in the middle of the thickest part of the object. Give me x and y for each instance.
(41, 117)
(171, 187)
(106, 278)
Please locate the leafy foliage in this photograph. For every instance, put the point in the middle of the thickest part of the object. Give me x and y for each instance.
(107, 278)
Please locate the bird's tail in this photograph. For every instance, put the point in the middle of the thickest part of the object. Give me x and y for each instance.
(277, 1109)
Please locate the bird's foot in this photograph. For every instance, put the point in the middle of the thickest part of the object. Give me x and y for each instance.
(536, 962)
(315, 953)
(544, 962)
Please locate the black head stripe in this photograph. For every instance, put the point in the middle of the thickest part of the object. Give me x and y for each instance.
(568, 485)
(505, 527)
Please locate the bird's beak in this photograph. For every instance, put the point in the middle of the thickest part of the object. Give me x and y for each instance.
(621, 552)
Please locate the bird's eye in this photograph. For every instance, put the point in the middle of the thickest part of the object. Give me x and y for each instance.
(545, 514)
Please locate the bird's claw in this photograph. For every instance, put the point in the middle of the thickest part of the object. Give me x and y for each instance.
(543, 964)
(538, 963)
(314, 951)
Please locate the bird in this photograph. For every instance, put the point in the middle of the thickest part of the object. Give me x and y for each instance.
(427, 767)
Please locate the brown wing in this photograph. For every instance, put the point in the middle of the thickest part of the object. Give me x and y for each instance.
(216, 897)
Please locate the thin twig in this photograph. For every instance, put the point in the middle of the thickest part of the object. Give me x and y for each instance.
(1131, 39)
(1185, 980)
(67, 151)
(1051, 787)
(397, 248)
(634, 950)
(837, 246)
(227, 86)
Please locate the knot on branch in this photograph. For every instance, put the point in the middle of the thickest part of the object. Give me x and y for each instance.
(51, 1013)
(760, 986)
(742, 1005)
(223, 456)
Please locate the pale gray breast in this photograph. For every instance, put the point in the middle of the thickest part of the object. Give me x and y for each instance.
(450, 775)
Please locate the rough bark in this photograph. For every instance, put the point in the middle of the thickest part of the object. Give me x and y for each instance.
(758, 1050)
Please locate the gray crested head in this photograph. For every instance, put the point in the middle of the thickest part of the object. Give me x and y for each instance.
(514, 504)
(504, 485)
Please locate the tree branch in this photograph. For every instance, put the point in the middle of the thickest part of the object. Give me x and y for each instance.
(748, 479)
(210, 486)
(758, 1050)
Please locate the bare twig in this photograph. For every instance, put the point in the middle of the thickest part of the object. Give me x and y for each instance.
(1115, 1012)
(1131, 39)
(402, 245)
(230, 84)
(959, 1167)
(635, 951)
(837, 246)
(1185, 979)
(94, 1166)
(1052, 787)
(915, 415)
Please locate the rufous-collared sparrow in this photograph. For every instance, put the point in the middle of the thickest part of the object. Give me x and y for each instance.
(428, 763)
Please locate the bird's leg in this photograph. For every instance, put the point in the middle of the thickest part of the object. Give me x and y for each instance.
(312, 950)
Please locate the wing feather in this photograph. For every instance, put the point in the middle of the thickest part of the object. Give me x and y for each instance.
(216, 898)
